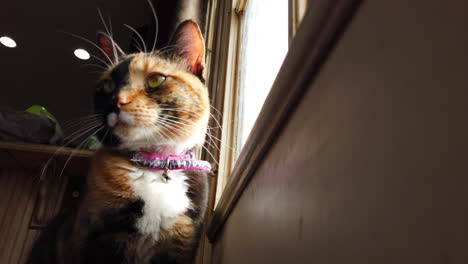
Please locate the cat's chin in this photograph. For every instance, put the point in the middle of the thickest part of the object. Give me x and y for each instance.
(149, 139)
(156, 144)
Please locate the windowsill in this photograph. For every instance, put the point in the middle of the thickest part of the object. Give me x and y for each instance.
(33, 157)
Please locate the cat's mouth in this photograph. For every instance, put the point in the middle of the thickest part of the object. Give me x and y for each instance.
(131, 132)
(121, 118)
(143, 133)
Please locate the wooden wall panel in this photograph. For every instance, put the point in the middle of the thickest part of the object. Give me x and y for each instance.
(372, 166)
(17, 189)
(49, 197)
(31, 237)
(27, 205)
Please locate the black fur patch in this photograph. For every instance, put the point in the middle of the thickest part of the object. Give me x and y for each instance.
(197, 193)
(105, 102)
(120, 73)
(101, 245)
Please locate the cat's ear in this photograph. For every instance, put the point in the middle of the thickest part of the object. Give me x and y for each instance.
(109, 49)
(190, 45)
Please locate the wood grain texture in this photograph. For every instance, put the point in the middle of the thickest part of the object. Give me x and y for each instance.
(19, 193)
(323, 25)
(27, 206)
(220, 49)
(28, 203)
(49, 195)
(371, 167)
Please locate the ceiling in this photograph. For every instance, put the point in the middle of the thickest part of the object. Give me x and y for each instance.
(42, 68)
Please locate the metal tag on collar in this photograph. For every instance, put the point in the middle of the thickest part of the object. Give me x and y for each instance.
(165, 174)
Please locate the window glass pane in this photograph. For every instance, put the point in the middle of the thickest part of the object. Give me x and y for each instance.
(263, 48)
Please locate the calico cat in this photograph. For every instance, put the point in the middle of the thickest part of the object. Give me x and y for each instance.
(146, 194)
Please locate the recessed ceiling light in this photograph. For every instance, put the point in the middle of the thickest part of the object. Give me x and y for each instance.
(8, 42)
(81, 54)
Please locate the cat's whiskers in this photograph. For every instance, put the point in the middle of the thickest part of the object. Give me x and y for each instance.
(138, 35)
(166, 136)
(76, 128)
(156, 25)
(217, 111)
(216, 121)
(219, 126)
(195, 114)
(94, 45)
(83, 125)
(80, 147)
(163, 136)
(150, 138)
(184, 119)
(160, 133)
(80, 133)
(110, 26)
(180, 125)
(173, 129)
(81, 122)
(138, 47)
(72, 138)
(215, 160)
(99, 59)
(209, 134)
(178, 118)
(109, 35)
(84, 117)
(167, 118)
(164, 50)
(211, 142)
(74, 135)
(170, 129)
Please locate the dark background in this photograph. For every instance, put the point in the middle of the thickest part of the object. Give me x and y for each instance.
(43, 70)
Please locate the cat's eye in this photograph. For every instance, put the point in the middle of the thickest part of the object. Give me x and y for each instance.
(154, 81)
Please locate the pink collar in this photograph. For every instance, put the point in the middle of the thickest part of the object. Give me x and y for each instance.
(156, 161)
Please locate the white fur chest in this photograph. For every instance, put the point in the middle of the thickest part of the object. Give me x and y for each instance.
(164, 201)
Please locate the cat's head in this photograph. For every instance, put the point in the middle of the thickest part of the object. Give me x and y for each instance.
(155, 101)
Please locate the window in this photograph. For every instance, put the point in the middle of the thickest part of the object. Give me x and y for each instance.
(264, 43)
(247, 41)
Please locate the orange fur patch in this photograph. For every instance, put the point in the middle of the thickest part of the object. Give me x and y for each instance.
(108, 177)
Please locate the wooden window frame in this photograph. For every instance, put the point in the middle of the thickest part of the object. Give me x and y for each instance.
(324, 22)
(297, 9)
(223, 30)
(223, 40)
(224, 36)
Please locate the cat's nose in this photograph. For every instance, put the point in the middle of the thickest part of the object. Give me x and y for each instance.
(123, 99)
